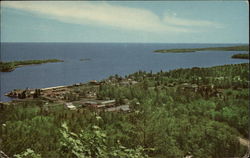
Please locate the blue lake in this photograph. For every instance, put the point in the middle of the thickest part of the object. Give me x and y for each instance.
(105, 59)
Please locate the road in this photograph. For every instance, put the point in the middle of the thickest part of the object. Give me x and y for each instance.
(246, 143)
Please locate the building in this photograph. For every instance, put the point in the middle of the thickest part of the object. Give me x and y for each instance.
(70, 106)
(124, 108)
(93, 82)
(107, 102)
(89, 103)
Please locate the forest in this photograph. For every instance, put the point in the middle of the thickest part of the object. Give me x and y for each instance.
(241, 56)
(190, 50)
(10, 66)
(198, 112)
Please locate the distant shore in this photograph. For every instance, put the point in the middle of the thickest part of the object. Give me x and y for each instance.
(191, 50)
(11, 66)
(241, 56)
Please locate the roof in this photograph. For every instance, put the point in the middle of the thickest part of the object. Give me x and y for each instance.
(68, 104)
(71, 106)
(90, 102)
(101, 106)
(108, 101)
(119, 108)
(48, 88)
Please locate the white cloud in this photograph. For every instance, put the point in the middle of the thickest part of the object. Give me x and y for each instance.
(173, 20)
(104, 14)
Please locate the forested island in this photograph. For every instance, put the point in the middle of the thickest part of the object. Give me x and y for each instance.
(241, 56)
(85, 59)
(12, 65)
(198, 112)
(191, 50)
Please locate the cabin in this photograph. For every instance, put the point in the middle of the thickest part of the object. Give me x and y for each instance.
(133, 82)
(53, 88)
(93, 82)
(70, 106)
(186, 86)
(90, 94)
(99, 103)
(90, 103)
(101, 106)
(77, 85)
(124, 108)
(107, 102)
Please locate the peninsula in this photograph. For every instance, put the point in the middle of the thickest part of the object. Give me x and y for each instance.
(191, 50)
(203, 106)
(10, 66)
(241, 56)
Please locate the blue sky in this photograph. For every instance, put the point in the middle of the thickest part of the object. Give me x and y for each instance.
(129, 21)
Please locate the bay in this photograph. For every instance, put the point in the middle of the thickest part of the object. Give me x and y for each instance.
(104, 59)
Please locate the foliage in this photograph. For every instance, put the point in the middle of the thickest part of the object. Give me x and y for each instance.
(29, 153)
(93, 144)
(5, 67)
(197, 111)
(188, 50)
(241, 56)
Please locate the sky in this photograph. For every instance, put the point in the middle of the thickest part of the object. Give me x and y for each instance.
(125, 21)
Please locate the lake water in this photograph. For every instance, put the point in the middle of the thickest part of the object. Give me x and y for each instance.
(105, 59)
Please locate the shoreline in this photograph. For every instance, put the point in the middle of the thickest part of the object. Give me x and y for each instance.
(91, 82)
(192, 94)
(12, 65)
(192, 50)
(241, 56)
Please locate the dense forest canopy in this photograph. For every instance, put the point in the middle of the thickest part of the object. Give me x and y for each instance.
(197, 111)
(189, 50)
(241, 56)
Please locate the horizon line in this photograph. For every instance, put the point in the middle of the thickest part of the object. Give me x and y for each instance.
(133, 42)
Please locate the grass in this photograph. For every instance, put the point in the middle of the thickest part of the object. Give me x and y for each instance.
(189, 50)
(10, 66)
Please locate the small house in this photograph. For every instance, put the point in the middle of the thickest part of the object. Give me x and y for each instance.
(108, 103)
(93, 82)
(70, 106)
(123, 108)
